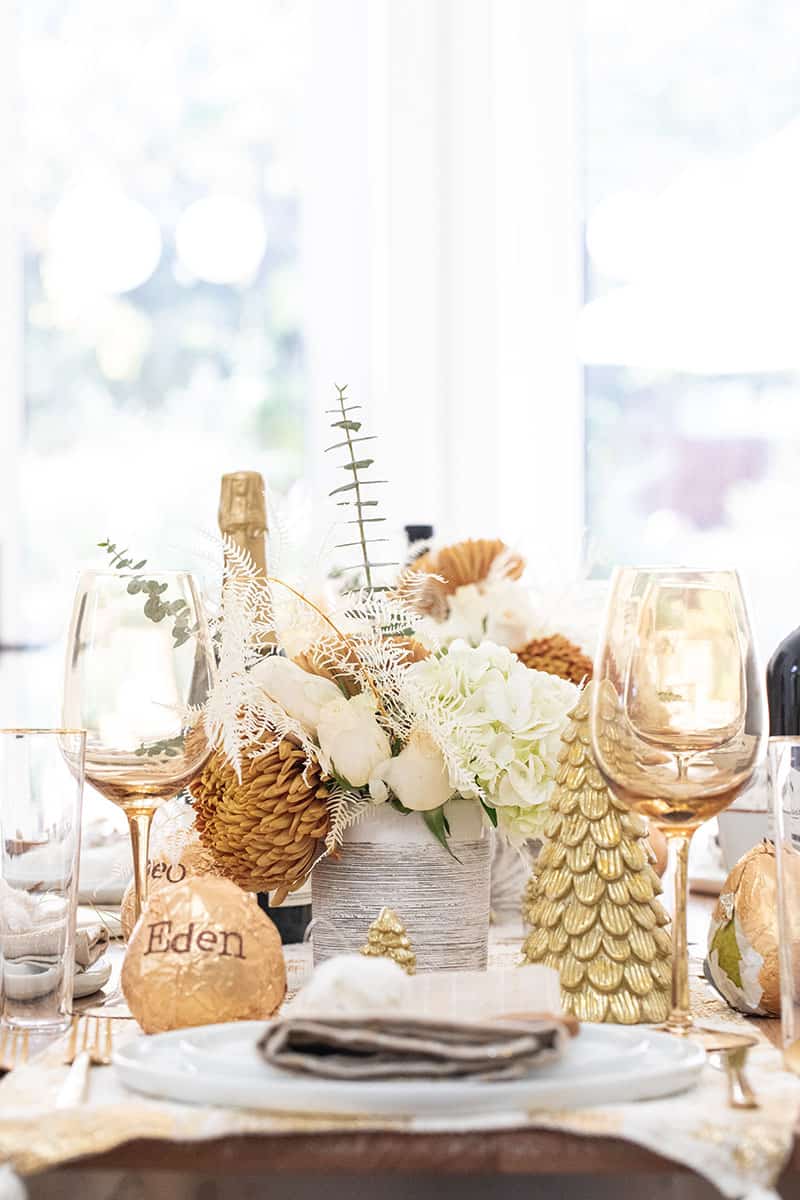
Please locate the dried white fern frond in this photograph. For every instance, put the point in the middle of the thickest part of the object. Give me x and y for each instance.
(238, 561)
(225, 711)
(172, 828)
(373, 651)
(391, 613)
(234, 710)
(385, 662)
(380, 624)
(235, 706)
(415, 587)
(446, 720)
(247, 597)
(246, 723)
(346, 809)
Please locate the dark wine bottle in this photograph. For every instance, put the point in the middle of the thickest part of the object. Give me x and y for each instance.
(783, 688)
(418, 537)
(293, 916)
(243, 518)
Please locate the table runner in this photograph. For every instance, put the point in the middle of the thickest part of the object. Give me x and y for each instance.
(740, 1152)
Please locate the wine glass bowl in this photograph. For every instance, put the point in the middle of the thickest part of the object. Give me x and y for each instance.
(677, 713)
(139, 668)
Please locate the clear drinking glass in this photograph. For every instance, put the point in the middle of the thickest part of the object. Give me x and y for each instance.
(677, 713)
(41, 791)
(784, 775)
(139, 666)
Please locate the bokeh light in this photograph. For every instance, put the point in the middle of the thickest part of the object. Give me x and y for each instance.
(221, 239)
(99, 241)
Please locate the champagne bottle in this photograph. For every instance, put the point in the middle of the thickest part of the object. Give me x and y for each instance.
(243, 518)
(783, 688)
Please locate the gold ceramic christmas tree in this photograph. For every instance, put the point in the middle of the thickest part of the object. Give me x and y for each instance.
(592, 903)
(387, 938)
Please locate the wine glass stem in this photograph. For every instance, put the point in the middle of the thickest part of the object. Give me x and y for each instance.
(139, 822)
(680, 1017)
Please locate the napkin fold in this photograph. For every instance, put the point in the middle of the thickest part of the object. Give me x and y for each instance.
(406, 1047)
(33, 931)
(33, 927)
(44, 944)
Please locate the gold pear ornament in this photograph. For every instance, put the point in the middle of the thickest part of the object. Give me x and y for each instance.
(387, 938)
(592, 901)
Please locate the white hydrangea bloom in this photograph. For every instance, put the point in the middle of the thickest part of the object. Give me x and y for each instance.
(499, 727)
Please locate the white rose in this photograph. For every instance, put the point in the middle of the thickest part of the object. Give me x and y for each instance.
(418, 775)
(300, 694)
(350, 735)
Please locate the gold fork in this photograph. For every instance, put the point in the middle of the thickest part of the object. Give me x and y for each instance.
(14, 1047)
(91, 1036)
(90, 1044)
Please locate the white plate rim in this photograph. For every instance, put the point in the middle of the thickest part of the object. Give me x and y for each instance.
(678, 1067)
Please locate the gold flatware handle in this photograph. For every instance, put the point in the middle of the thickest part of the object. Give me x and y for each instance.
(91, 1036)
(73, 1089)
(740, 1093)
(14, 1048)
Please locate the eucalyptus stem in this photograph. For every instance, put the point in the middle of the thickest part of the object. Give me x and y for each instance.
(361, 530)
(155, 608)
(357, 483)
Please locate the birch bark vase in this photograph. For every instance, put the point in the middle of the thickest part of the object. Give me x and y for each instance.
(392, 859)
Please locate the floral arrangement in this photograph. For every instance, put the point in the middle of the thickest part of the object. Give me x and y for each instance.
(467, 721)
(367, 708)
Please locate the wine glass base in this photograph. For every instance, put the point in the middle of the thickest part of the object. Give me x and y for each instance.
(680, 1025)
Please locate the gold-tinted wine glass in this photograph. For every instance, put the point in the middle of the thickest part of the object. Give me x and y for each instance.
(677, 724)
(139, 666)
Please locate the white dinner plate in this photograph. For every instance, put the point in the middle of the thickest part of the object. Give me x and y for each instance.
(220, 1065)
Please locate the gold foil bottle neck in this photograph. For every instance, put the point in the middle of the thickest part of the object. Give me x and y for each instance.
(243, 514)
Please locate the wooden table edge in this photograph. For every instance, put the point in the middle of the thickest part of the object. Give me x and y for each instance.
(507, 1152)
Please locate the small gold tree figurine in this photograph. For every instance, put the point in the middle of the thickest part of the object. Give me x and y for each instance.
(387, 938)
(591, 902)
